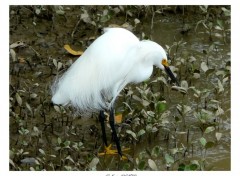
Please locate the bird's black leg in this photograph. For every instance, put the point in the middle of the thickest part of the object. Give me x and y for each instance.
(102, 119)
(112, 124)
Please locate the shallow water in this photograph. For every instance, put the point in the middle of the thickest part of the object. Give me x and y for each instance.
(218, 158)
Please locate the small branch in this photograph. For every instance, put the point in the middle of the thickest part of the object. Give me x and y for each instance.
(75, 28)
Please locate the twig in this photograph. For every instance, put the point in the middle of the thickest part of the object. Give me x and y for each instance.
(152, 18)
(75, 28)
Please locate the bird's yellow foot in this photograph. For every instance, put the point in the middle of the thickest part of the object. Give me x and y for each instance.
(124, 158)
(109, 151)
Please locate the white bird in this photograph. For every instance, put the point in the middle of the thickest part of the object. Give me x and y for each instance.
(112, 61)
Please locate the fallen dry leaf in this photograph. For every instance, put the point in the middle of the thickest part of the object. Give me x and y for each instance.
(117, 118)
(17, 44)
(21, 60)
(13, 55)
(73, 52)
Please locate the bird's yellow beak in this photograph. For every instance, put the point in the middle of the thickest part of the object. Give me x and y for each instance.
(165, 63)
(169, 72)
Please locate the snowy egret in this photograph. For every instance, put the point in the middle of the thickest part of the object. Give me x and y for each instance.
(96, 78)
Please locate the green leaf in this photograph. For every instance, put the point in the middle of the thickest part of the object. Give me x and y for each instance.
(135, 97)
(93, 163)
(105, 18)
(209, 71)
(193, 167)
(136, 21)
(219, 111)
(152, 165)
(59, 65)
(42, 151)
(68, 168)
(161, 106)
(29, 161)
(218, 136)
(149, 128)
(204, 8)
(19, 99)
(142, 165)
(209, 144)
(132, 134)
(35, 129)
(220, 23)
(204, 66)
(126, 166)
(220, 87)
(181, 167)
(218, 28)
(145, 103)
(186, 109)
(203, 141)
(209, 129)
(70, 158)
(141, 132)
(57, 108)
(66, 143)
(180, 89)
(174, 151)
(55, 63)
(57, 148)
(196, 75)
(59, 140)
(226, 11)
(155, 151)
(28, 107)
(183, 110)
(169, 159)
(33, 95)
(12, 163)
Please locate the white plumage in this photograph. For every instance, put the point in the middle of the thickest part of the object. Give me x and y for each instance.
(112, 61)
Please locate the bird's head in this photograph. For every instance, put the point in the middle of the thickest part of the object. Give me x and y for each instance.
(157, 56)
(161, 60)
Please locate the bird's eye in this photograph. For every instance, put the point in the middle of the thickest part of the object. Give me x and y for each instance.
(164, 62)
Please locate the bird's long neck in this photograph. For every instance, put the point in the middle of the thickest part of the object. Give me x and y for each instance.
(152, 53)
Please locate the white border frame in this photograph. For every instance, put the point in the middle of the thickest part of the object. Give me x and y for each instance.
(4, 78)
